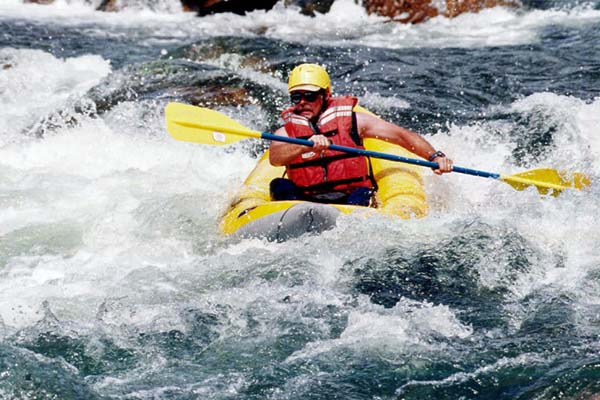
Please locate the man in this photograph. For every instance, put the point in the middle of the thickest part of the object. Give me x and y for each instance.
(322, 175)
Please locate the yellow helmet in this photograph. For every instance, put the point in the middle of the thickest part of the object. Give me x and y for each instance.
(311, 77)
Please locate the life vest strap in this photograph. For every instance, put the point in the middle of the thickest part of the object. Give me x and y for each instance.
(329, 185)
(324, 160)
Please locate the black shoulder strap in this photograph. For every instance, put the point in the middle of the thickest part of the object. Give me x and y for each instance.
(354, 131)
(314, 128)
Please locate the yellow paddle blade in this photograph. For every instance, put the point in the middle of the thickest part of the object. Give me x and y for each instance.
(547, 180)
(202, 125)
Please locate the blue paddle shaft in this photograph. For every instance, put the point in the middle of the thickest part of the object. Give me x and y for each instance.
(375, 154)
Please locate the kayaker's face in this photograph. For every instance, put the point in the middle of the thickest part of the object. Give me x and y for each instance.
(306, 103)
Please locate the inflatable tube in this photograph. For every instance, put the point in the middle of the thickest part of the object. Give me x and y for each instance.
(291, 222)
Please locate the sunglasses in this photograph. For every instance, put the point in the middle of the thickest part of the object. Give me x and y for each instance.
(297, 97)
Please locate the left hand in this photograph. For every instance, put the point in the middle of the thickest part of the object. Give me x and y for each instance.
(321, 143)
(445, 165)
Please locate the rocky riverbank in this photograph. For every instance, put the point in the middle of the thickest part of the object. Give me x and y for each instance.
(403, 11)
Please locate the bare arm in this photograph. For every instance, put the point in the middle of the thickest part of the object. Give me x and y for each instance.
(370, 126)
(281, 153)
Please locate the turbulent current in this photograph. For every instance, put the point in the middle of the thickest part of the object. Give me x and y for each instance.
(115, 282)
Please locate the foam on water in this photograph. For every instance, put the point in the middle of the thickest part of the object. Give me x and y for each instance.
(576, 144)
(97, 182)
(34, 83)
(76, 12)
(523, 360)
(560, 233)
(89, 204)
(405, 328)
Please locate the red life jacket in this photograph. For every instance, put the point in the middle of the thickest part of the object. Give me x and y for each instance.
(332, 171)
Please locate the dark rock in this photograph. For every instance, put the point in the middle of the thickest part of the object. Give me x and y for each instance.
(309, 7)
(108, 5)
(241, 7)
(215, 95)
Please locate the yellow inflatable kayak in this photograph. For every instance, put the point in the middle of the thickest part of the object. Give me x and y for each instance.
(400, 189)
(252, 213)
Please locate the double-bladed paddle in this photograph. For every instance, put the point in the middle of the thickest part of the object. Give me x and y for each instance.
(202, 125)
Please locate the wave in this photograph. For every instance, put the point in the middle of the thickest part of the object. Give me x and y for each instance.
(25, 100)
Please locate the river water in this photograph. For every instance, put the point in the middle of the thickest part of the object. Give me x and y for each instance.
(114, 280)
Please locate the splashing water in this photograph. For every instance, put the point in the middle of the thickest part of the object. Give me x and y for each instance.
(114, 279)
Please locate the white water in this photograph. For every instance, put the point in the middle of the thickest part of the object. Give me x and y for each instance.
(113, 221)
(347, 24)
